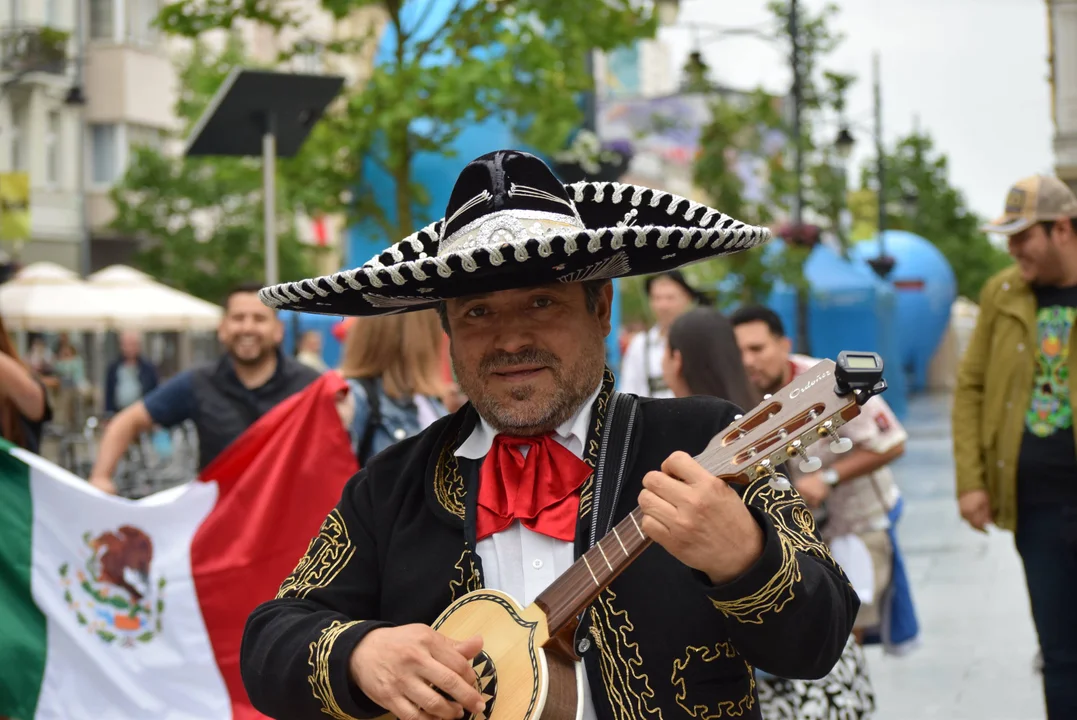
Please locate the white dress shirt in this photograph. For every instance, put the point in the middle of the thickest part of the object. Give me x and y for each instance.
(641, 365)
(522, 562)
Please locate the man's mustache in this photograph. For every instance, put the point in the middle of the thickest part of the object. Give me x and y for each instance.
(531, 356)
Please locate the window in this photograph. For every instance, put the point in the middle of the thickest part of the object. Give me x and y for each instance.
(140, 17)
(52, 148)
(52, 13)
(102, 19)
(16, 12)
(19, 161)
(105, 151)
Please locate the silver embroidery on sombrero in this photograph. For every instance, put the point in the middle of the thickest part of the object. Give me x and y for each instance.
(611, 267)
(391, 301)
(507, 227)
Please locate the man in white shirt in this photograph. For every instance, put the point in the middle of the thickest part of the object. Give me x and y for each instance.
(669, 296)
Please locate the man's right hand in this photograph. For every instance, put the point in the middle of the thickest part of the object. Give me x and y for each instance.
(399, 668)
(976, 508)
(103, 483)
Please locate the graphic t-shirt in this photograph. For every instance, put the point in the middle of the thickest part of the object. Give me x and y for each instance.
(1047, 467)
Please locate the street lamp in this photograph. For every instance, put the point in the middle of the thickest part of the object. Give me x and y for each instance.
(843, 144)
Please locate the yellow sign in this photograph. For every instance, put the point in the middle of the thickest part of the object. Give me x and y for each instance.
(14, 207)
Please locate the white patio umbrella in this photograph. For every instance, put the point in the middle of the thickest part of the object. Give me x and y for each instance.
(136, 301)
(45, 297)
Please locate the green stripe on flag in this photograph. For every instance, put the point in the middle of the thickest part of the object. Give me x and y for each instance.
(23, 639)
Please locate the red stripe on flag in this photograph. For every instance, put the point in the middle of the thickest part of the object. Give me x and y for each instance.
(277, 482)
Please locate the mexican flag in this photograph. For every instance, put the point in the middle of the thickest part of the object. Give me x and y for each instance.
(127, 610)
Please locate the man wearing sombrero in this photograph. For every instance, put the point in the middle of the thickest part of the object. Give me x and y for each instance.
(507, 492)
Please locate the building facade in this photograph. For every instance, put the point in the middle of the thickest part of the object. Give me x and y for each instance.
(1062, 29)
(83, 82)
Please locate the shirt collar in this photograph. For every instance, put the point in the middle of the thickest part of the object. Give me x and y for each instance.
(572, 433)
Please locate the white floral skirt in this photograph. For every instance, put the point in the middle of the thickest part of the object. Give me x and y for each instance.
(844, 694)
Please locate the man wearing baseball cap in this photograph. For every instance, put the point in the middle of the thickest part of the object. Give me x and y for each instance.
(1015, 444)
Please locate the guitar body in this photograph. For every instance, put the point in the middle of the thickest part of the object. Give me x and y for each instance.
(518, 678)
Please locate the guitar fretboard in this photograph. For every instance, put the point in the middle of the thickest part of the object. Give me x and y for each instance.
(595, 570)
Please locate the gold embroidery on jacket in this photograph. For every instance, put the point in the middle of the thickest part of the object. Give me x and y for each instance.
(593, 444)
(628, 688)
(725, 708)
(468, 580)
(791, 517)
(320, 682)
(772, 597)
(326, 556)
(448, 482)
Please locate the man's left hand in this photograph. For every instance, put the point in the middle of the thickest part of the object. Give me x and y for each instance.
(812, 488)
(699, 519)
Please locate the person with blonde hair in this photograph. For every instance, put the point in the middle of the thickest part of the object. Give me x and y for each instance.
(391, 363)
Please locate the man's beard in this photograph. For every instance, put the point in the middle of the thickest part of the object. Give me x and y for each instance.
(531, 411)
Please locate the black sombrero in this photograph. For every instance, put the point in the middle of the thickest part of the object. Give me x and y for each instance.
(511, 223)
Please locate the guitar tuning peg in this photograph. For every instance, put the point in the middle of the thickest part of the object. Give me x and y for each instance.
(810, 464)
(841, 445)
(780, 483)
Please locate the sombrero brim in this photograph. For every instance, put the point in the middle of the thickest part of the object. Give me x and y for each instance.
(410, 275)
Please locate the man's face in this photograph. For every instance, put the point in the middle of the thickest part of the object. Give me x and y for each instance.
(130, 345)
(765, 355)
(1037, 252)
(249, 331)
(528, 358)
(668, 301)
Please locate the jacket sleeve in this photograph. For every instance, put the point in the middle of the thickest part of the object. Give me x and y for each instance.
(792, 612)
(969, 398)
(110, 388)
(296, 648)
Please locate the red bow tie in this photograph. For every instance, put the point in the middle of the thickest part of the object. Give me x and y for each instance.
(539, 490)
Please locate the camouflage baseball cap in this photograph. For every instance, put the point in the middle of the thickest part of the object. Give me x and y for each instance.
(1040, 198)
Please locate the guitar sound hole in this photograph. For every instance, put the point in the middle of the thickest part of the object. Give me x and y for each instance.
(486, 684)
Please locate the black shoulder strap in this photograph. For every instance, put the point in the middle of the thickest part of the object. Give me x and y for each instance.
(613, 458)
(373, 400)
(612, 462)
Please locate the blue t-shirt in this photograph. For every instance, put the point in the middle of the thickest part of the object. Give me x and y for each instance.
(172, 402)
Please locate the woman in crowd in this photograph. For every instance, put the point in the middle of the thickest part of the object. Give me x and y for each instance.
(24, 408)
(391, 363)
(702, 358)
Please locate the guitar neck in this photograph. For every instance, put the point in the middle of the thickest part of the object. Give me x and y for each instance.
(578, 587)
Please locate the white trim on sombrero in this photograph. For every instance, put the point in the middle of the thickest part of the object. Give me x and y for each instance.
(507, 226)
(732, 235)
(378, 276)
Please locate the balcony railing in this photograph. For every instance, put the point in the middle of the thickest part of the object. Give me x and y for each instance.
(33, 49)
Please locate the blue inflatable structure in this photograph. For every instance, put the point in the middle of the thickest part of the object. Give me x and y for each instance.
(850, 308)
(925, 289)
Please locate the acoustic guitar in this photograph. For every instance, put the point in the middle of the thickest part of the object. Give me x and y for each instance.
(527, 667)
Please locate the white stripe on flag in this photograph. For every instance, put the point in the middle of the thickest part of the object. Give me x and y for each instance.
(109, 657)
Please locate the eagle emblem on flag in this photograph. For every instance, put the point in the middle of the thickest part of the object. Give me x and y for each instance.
(112, 592)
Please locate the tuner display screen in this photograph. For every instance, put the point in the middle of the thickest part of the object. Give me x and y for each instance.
(861, 362)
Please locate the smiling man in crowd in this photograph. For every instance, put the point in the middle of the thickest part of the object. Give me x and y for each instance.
(222, 398)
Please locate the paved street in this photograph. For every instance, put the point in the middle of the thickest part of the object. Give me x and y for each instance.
(978, 643)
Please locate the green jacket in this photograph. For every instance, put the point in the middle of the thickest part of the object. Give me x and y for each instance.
(994, 387)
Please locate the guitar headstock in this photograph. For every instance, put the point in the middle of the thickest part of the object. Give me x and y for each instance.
(810, 408)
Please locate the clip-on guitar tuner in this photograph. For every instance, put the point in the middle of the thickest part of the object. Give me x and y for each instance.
(860, 373)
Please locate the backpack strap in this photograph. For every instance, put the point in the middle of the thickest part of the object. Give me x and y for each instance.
(373, 420)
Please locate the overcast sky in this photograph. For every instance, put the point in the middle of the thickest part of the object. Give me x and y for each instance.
(973, 71)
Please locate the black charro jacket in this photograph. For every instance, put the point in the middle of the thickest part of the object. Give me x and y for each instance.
(399, 548)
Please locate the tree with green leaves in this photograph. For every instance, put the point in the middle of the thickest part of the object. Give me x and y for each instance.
(745, 128)
(919, 171)
(202, 217)
(523, 61)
